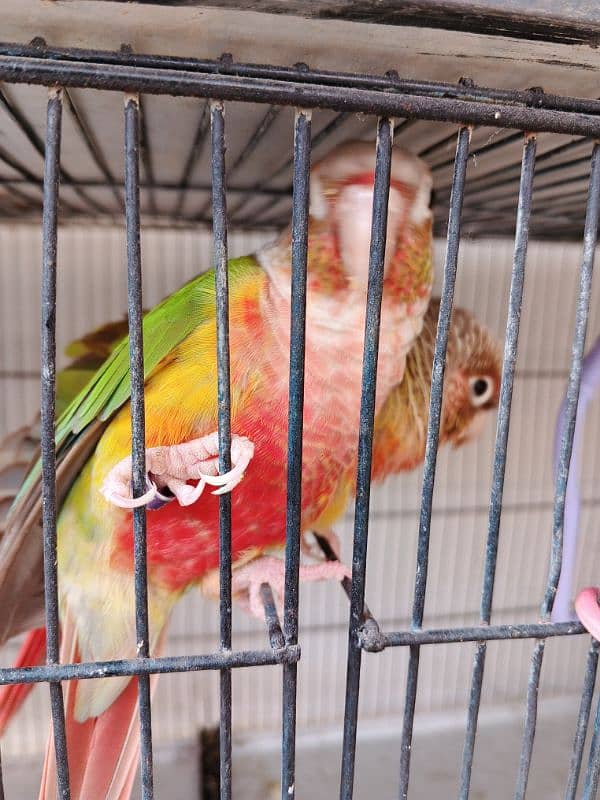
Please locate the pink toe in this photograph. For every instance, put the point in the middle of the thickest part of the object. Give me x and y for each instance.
(588, 610)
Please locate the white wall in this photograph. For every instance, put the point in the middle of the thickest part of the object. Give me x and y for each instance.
(92, 289)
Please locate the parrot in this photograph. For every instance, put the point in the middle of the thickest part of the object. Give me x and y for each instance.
(471, 390)
(19, 448)
(93, 438)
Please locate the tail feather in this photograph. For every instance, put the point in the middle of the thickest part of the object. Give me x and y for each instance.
(116, 737)
(16, 452)
(78, 734)
(103, 751)
(32, 653)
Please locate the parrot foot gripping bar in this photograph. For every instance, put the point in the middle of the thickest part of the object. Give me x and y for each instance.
(247, 581)
(370, 636)
(170, 467)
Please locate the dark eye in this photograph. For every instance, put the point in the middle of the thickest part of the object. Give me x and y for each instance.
(481, 389)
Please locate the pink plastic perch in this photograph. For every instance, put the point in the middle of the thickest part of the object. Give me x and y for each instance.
(563, 608)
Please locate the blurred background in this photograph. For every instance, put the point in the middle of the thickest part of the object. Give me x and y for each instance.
(92, 289)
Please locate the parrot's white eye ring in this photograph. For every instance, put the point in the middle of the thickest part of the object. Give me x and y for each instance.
(481, 389)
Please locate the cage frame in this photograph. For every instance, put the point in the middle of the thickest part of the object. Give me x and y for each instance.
(388, 97)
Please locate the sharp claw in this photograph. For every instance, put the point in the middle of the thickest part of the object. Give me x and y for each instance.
(230, 486)
(222, 480)
(129, 502)
(175, 479)
(227, 481)
(187, 495)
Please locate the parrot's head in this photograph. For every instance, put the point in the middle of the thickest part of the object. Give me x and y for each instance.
(341, 201)
(472, 378)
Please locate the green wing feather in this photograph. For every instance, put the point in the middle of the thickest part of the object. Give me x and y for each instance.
(165, 326)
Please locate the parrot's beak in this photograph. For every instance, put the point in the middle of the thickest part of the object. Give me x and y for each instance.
(353, 225)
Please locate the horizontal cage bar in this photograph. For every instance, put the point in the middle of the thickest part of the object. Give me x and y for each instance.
(121, 77)
(476, 633)
(147, 666)
(387, 97)
(301, 73)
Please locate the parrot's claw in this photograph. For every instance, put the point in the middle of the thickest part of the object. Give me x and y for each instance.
(131, 502)
(247, 580)
(171, 467)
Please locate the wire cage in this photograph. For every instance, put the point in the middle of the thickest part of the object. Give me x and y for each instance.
(459, 112)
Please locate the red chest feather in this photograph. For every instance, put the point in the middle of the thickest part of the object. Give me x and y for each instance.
(183, 543)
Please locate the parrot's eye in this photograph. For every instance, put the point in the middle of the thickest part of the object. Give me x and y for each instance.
(481, 389)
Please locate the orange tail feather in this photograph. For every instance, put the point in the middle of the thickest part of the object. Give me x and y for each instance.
(32, 653)
(103, 751)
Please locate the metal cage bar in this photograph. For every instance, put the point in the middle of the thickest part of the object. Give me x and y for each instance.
(302, 150)
(32, 137)
(219, 204)
(583, 718)
(48, 398)
(31, 178)
(506, 388)
(383, 162)
(303, 88)
(125, 77)
(433, 429)
(592, 775)
(590, 238)
(255, 139)
(497, 173)
(94, 149)
(320, 137)
(138, 427)
(530, 98)
(148, 666)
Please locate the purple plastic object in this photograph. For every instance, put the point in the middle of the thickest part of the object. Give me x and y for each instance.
(159, 500)
(563, 610)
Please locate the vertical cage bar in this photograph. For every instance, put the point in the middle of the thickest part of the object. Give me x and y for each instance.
(48, 399)
(1, 781)
(219, 204)
(529, 727)
(592, 774)
(433, 430)
(31, 135)
(502, 428)
(300, 204)
(590, 237)
(318, 139)
(583, 718)
(256, 138)
(93, 147)
(138, 428)
(383, 162)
